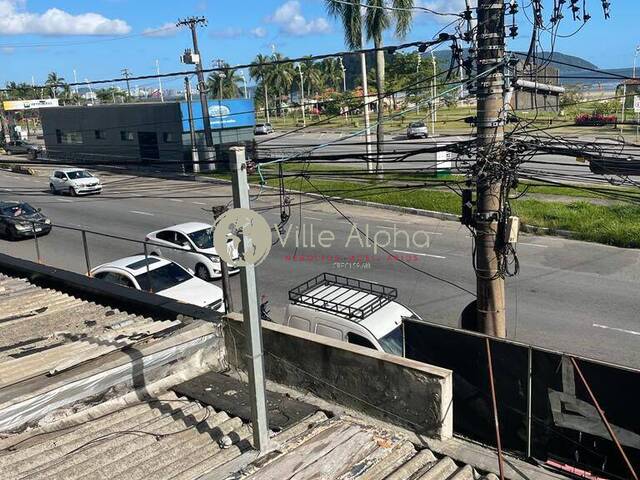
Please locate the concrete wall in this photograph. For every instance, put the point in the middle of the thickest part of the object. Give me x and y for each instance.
(411, 394)
(159, 118)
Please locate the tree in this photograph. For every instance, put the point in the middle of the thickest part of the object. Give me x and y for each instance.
(331, 73)
(110, 95)
(54, 82)
(21, 91)
(378, 18)
(225, 84)
(280, 77)
(313, 78)
(260, 72)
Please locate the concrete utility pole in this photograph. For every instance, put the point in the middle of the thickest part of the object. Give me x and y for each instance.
(194, 146)
(304, 118)
(192, 23)
(417, 88)
(367, 121)
(251, 312)
(434, 94)
(244, 82)
(127, 74)
(159, 81)
(490, 283)
(219, 63)
(344, 84)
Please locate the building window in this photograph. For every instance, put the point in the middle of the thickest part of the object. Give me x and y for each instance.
(100, 134)
(169, 137)
(68, 138)
(126, 136)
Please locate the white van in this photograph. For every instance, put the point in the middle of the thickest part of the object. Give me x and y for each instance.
(351, 310)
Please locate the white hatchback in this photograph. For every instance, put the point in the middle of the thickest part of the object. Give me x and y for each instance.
(74, 181)
(190, 245)
(163, 277)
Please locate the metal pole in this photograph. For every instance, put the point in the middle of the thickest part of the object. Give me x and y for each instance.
(417, 80)
(85, 246)
(304, 118)
(251, 312)
(495, 409)
(159, 81)
(194, 146)
(624, 104)
(490, 138)
(35, 237)
(529, 402)
(367, 121)
(146, 260)
(604, 419)
(224, 268)
(434, 94)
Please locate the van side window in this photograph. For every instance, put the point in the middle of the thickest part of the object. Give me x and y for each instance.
(356, 339)
(327, 331)
(300, 323)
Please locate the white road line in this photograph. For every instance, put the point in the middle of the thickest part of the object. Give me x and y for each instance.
(419, 254)
(137, 212)
(313, 218)
(7, 189)
(175, 200)
(391, 228)
(135, 195)
(198, 203)
(66, 200)
(622, 330)
(533, 245)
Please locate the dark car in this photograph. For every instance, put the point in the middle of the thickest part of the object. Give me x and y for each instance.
(20, 220)
(20, 146)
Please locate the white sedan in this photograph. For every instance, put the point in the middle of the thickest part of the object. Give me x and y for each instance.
(163, 277)
(74, 181)
(190, 245)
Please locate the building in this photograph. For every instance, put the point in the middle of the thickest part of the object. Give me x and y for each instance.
(537, 87)
(151, 133)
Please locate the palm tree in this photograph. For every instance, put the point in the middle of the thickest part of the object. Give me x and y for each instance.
(53, 82)
(260, 72)
(312, 76)
(378, 18)
(280, 76)
(331, 73)
(224, 84)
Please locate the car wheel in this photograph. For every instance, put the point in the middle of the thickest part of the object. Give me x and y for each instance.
(8, 152)
(52, 189)
(11, 234)
(72, 192)
(202, 273)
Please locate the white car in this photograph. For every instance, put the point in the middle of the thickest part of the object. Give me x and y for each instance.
(263, 129)
(190, 245)
(74, 181)
(417, 130)
(163, 277)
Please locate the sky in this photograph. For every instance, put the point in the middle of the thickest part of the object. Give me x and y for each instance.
(99, 38)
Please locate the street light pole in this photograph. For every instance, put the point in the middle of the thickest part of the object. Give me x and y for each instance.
(159, 81)
(192, 131)
(244, 82)
(434, 93)
(367, 121)
(417, 80)
(304, 118)
(344, 83)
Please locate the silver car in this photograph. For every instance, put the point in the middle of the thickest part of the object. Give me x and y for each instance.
(417, 130)
(263, 129)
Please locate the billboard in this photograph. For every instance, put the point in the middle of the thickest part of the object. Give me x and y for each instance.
(223, 114)
(29, 104)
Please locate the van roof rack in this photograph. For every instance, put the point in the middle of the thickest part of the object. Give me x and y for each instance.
(347, 297)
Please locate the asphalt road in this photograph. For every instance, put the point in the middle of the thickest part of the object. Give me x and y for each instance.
(571, 296)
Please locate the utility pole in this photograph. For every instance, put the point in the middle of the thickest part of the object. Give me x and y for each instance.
(194, 146)
(417, 88)
(244, 83)
(344, 84)
(250, 311)
(219, 63)
(304, 118)
(367, 121)
(434, 94)
(192, 23)
(490, 138)
(224, 268)
(127, 74)
(159, 81)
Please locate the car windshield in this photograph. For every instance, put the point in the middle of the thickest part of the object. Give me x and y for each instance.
(417, 125)
(79, 174)
(202, 238)
(18, 210)
(163, 278)
(392, 342)
(258, 125)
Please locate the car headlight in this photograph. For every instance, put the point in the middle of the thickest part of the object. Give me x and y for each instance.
(23, 226)
(47, 221)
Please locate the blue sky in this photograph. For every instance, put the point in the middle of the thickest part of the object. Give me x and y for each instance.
(100, 37)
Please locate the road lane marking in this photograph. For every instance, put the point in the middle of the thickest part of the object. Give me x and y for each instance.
(138, 212)
(419, 254)
(175, 200)
(534, 245)
(622, 330)
(395, 228)
(199, 203)
(64, 200)
(314, 218)
(7, 189)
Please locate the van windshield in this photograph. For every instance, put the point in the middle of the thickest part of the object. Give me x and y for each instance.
(392, 342)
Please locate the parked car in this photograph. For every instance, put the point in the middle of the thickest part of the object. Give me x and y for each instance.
(22, 146)
(190, 245)
(161, 276)
(263, 129)
(351, 310)
(19, 220)
(74, 181)
(417, 130)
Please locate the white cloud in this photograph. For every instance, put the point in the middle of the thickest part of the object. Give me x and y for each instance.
(229, 32)
(259, 32)
(8, 50)
(168, 29)
(291, 21)
(16, 20)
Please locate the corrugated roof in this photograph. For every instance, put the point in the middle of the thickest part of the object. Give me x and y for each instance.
(175, 437)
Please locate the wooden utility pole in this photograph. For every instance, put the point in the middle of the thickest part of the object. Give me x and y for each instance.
(490, 281)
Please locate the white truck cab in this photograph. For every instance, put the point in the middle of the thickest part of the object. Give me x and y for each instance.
(351, 310)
